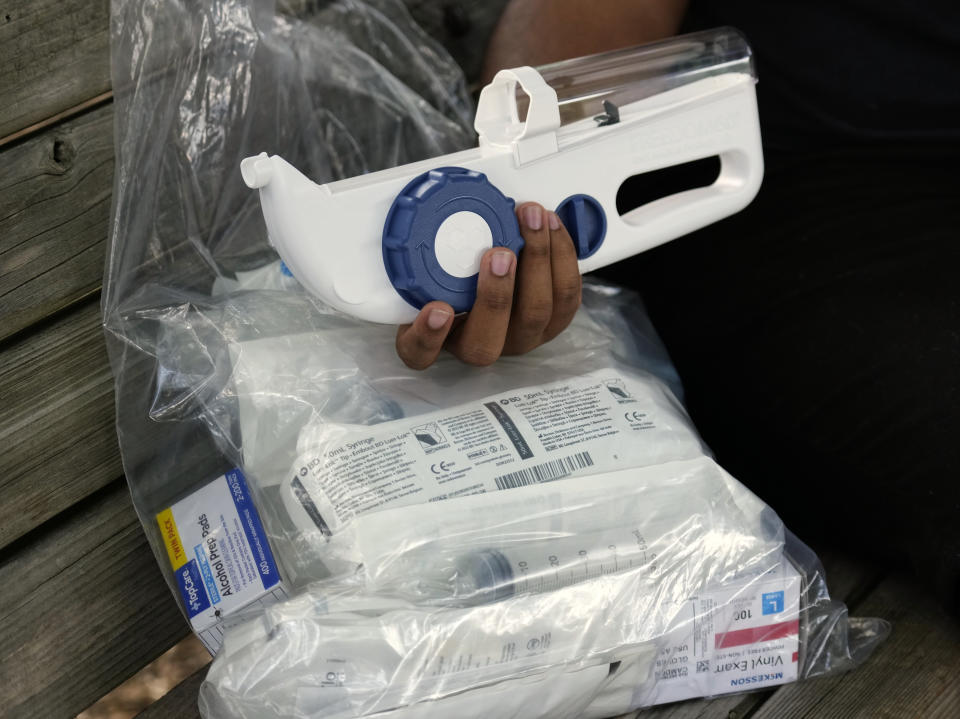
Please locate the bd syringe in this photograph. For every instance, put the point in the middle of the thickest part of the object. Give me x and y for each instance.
(547, 563)
(683, 525)
(687, 551)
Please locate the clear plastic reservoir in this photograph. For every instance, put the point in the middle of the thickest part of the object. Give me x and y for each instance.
(631, 74)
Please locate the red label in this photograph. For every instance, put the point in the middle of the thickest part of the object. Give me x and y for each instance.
(754, 635)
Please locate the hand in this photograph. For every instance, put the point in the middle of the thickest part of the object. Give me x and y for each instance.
(519, 305)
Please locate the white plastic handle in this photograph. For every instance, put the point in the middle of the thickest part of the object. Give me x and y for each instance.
(498, 123)
(721, 122)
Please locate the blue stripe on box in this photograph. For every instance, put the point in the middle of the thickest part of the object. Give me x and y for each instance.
(191, 588)
(207, 573)
(253, 528)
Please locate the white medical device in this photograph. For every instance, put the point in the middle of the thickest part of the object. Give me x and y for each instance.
(566, 135)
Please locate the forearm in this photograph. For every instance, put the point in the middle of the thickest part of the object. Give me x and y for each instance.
(533, 32)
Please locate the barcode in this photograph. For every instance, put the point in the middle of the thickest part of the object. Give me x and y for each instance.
(546, 472)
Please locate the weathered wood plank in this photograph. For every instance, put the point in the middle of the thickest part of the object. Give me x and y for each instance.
(180, 702)
(55, 54)
(40, 557)
(726, 707)
(914, 673)
(56, 421)
(153, 682)
(82, 607)
(54, 212)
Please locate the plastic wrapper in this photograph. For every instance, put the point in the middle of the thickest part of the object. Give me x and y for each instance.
(547, 536)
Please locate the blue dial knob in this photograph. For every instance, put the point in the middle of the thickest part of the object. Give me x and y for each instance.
(437, 229)
(585, 220)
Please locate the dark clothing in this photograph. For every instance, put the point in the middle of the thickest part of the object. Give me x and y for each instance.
(833, 71)
(818, 331)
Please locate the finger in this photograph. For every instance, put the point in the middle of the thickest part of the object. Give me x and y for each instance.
(479, 340)
(419, 343)
(567, 283)
(533, 299)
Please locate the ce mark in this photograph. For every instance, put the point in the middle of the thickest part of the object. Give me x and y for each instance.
(634, 416)
(441, 467)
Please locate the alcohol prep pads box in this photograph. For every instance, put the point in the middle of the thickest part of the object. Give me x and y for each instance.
(219, 554)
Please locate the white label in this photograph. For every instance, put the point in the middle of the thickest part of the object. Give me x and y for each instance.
(740, 637)
(460, 242)
(219, 554)
(596, 423)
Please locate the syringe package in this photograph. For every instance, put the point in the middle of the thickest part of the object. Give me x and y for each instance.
(544, 537)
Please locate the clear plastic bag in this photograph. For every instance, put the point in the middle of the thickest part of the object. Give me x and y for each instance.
(547, 536)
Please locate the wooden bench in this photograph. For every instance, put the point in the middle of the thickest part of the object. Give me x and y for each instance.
(83, 605)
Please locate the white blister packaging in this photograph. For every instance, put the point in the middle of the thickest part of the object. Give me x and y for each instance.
(392, 641)
(568, 135)
(546, 537)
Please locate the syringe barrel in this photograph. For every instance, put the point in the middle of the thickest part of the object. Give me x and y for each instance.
(547, 564)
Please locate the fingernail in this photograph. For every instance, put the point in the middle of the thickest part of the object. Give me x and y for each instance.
(437, 319)
(533, 217)
(553, 220)
(500, 264)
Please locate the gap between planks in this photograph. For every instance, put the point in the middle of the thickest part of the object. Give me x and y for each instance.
(71, 112)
